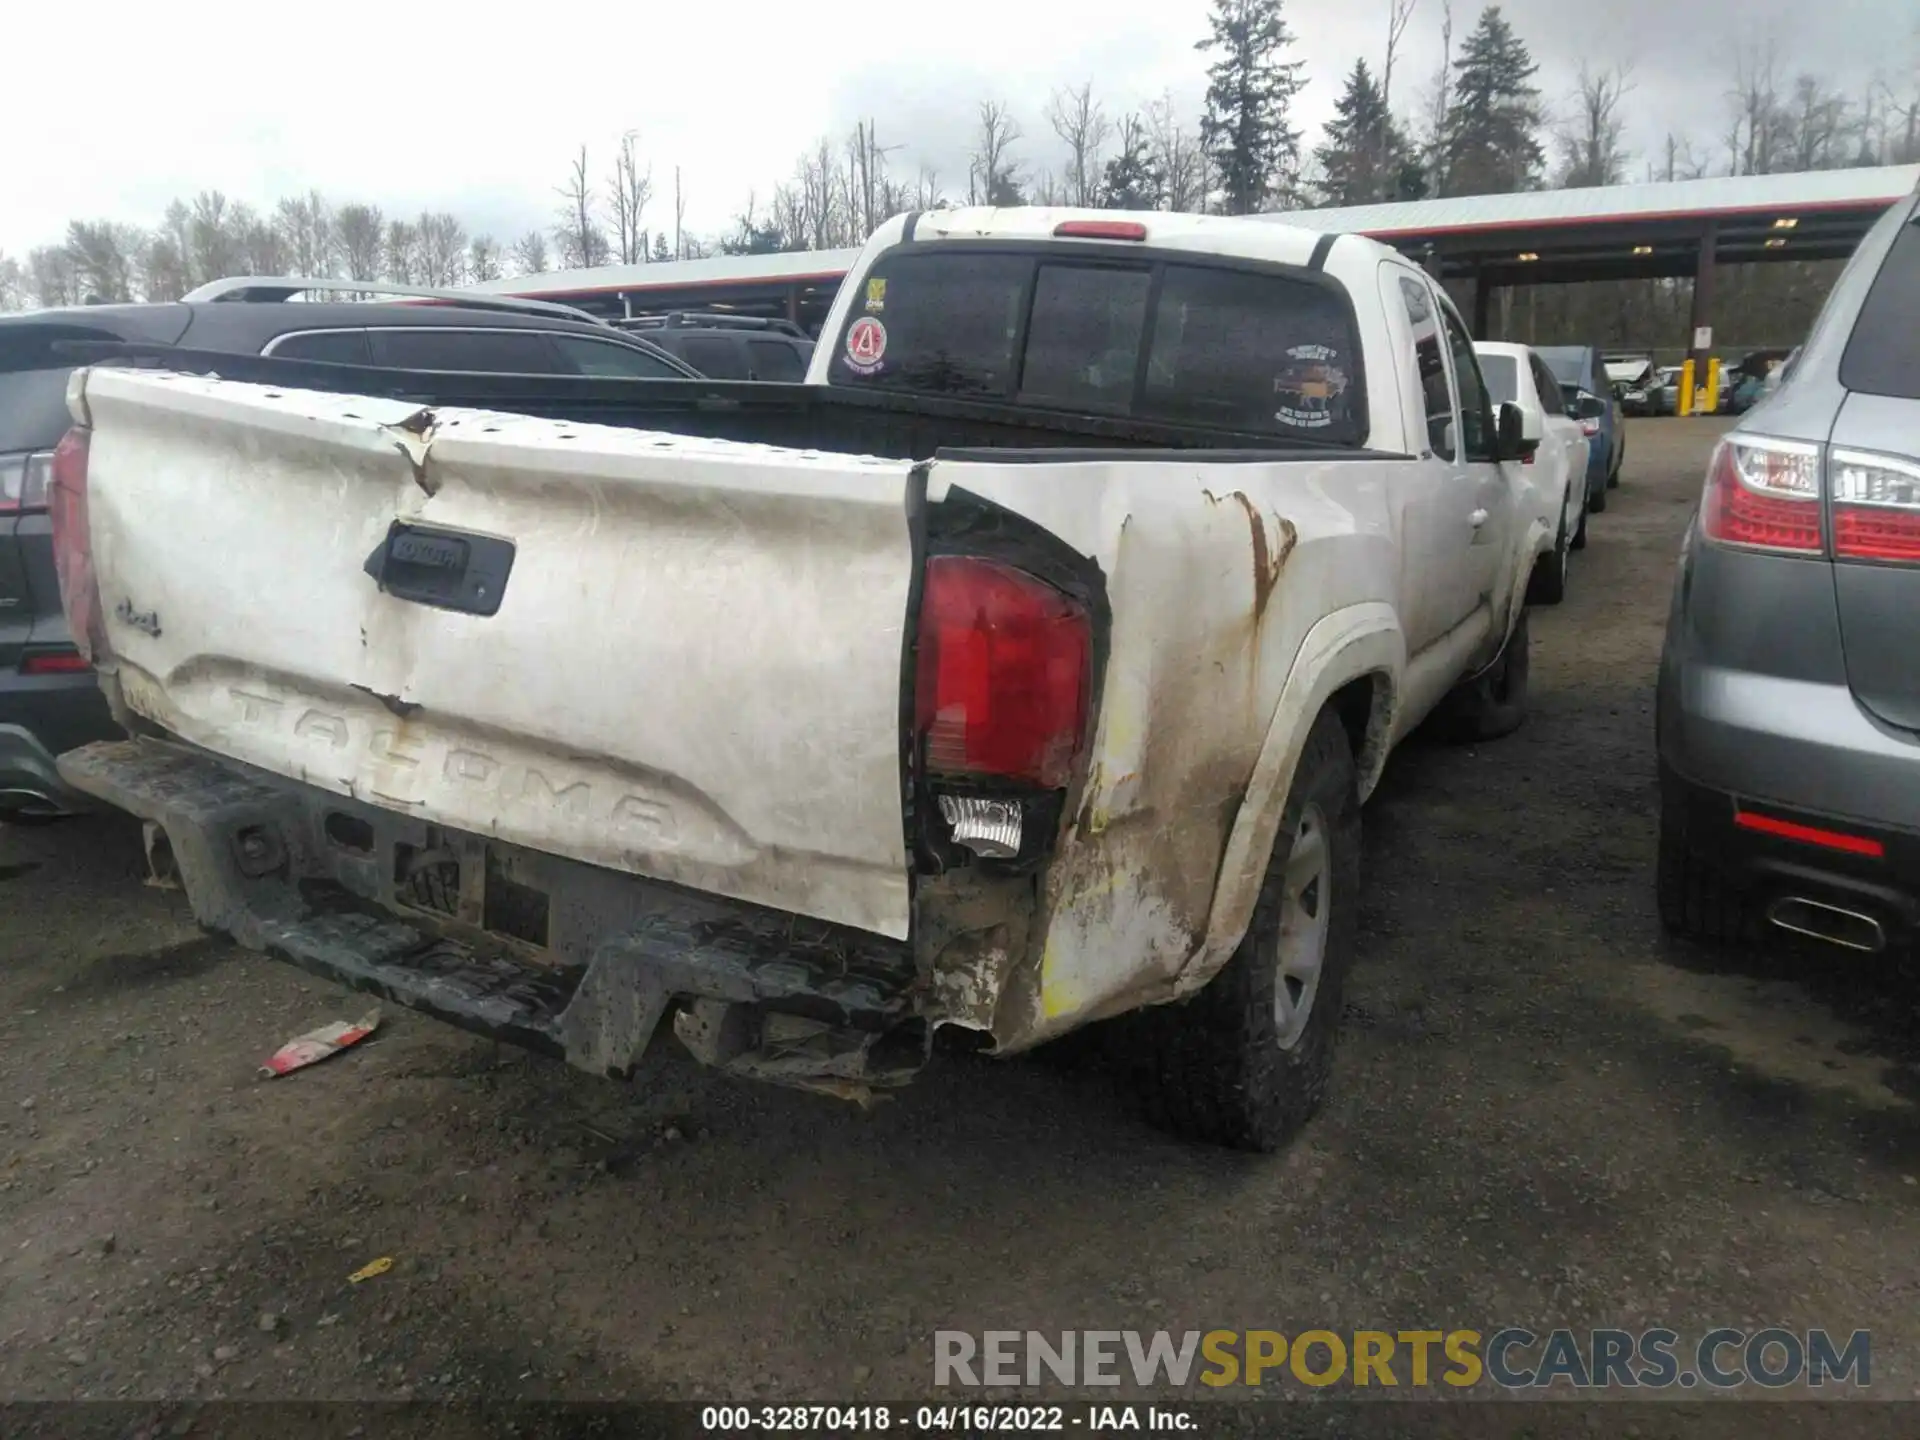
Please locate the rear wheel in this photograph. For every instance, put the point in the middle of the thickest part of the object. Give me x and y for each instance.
(1245, 1062)
(1697, 901)
(1597, 500)
(1494, 702)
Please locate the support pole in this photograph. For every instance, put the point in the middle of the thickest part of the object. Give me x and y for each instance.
(1482, 292)
(1700, 341)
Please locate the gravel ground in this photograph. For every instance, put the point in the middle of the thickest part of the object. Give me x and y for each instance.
(1544, 1113)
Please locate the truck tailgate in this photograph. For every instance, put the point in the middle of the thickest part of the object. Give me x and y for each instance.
(693, 673)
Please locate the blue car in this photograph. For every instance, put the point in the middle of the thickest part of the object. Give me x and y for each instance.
(1582, 373)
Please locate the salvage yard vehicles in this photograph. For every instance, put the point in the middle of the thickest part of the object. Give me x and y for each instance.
(1516, 375)
(1025, 667)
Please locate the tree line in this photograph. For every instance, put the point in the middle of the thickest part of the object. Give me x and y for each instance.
(1479, 124)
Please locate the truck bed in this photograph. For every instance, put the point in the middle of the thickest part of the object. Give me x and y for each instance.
(791, 416)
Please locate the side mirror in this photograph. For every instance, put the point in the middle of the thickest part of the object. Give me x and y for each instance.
(1530, 424)
(1589, 407)
(1513, 443)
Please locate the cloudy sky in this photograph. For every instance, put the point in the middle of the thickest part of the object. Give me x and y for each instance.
(430, 104)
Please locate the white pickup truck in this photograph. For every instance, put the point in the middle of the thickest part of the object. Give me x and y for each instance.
(1025, 667)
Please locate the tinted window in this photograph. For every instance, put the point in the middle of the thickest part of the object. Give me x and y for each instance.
(1569, 367)
(33, 409)
(1253, 352)
(1883, 355)
(717, 356)
(1083, 343)
(776, 360)
(1476, 413)
(1436, 396)
(1551, 400)
(335, 347)
(945, 323)
(489, 352)
(584, 355)
(1502, 373)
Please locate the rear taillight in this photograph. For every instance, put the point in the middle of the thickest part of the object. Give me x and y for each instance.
(73, 544)
(1764, 494)
(54, 662)
(1876, 506)
(1589, 428)
(23, 484)
(1003, 674)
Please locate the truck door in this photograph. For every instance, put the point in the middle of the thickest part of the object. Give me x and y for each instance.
(1491, 511)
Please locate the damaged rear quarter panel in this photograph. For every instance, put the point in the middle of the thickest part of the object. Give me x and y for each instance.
(1215, 572)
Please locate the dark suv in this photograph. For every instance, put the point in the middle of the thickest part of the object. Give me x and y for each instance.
(48, 699)
(1789, 700)
(730, 347)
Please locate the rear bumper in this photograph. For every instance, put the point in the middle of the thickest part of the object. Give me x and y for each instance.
(565, 958)
(1770, 867)
(42, 716)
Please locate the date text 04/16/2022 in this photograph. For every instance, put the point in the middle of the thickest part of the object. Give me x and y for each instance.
(943, 1419)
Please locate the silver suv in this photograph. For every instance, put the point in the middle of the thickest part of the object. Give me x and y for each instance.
(1789, 701)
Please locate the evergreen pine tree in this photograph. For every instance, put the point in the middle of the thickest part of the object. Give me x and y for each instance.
(1494, 119)
(1254, 149)
(1132, 181)
(1365, 157)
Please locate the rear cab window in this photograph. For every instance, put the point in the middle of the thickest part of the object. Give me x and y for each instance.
(1145, 335)
(1502, 374)
(1883, 353)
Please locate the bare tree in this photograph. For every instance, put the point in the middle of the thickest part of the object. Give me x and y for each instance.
(1818, 127)
(483, 259)
(530, 254)
(871, 196)
(576, 231)
(1083, 127)
(400, 255)
(13, 284)
(1590, 141)
(163, 269)
(104, 257)
(1179, 162)
(52, 276)
(629, 191)
(1754, 138)
(1399, 12)
(215, 244)
(440, 243)
(993, 175)
(361, 230)
(261, 250)
(927, 194)
(1442, 102)
(305, 223)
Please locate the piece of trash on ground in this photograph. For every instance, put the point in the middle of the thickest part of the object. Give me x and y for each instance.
(371, 1269)
(304, 1050)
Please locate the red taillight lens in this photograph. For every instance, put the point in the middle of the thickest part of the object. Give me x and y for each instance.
(1876, 507)
(1809, 834)
(1764, 495)
(1589, 428)
(54, 662)
(23, 484)
(1100, 230)
(1003, 673)
(73, 544)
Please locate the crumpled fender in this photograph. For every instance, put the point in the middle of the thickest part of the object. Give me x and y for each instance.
(1357, 641)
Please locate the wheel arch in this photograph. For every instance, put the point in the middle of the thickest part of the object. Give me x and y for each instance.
(1351, 664)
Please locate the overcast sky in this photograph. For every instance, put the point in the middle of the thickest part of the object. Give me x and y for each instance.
(474, 109)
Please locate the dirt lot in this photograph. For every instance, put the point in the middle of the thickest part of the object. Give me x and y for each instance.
(1544, 1114)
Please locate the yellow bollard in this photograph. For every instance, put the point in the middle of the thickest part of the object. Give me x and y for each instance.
(1685, 405)
(1712, 407)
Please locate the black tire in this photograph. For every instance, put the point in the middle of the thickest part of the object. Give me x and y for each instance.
(1547, 585)
(1579, 541)
(1697, 902)
(1214, 1068)
(1494, 703)
(1619, 463)
(1597, 500)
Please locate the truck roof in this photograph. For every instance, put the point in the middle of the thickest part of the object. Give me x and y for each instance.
(1245, 237)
